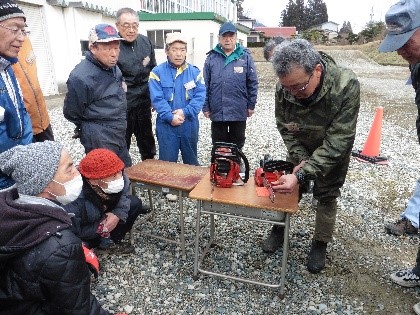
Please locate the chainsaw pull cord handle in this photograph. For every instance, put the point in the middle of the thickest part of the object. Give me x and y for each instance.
(243, 157)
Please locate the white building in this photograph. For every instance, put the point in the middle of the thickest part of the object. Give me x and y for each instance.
(59, 29)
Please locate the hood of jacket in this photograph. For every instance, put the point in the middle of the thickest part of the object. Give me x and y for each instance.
(27, 221)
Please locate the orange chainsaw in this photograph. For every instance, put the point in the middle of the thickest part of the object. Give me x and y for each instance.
(269, 171)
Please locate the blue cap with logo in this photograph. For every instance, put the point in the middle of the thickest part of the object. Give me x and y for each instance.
(227, 27)
(103, 33)
(402, 20)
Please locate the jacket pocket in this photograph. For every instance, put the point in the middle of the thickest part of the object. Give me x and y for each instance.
(168, 90)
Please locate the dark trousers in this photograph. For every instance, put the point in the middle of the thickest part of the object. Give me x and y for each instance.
(118, 234)
(139, 123)
(228, 131)
(47, 134)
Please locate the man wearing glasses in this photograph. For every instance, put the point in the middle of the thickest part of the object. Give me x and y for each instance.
(317, 104)
(15, 123)
(136, 60)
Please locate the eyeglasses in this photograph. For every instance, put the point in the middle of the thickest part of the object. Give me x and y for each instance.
(298, 87)
(16, 31)
(128, 27)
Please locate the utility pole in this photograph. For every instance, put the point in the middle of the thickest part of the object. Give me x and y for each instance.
(371, 15)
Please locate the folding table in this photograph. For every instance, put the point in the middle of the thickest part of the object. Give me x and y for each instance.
(167, 177)
(242, 202)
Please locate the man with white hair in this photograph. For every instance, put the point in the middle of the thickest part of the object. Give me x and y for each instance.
(15, 123)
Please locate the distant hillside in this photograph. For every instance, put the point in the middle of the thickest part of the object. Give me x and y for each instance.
(369, 49)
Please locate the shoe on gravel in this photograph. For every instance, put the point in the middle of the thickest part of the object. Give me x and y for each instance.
(406, 278)
(121, 248)
(171, 197)
(317, 256)
(275, 240)
(401, 227)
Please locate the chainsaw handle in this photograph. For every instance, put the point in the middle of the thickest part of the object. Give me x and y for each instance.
(243, 157)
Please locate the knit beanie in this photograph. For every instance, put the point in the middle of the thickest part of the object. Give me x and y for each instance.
(100, 163)
(31, 166)
(9, 10)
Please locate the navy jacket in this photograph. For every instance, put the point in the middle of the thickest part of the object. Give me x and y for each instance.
(96, 103)
(232, 84)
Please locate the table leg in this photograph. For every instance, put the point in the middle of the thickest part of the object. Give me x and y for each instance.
(149, 192)
(197, 240)
(285, 253)
(181, 219)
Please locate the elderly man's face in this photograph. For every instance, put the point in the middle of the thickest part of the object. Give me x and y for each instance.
(300, 84)
(128, 26)
(411, 50)
(11, 37)
(106, 53)
(228, 42)
(177, 53)
(66, 171)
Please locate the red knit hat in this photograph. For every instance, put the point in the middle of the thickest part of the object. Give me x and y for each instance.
(100, 163)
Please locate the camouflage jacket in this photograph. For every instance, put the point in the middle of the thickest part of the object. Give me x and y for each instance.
(322, 132)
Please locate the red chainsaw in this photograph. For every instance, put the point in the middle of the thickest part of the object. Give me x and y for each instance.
(269, 171)
(226, 164)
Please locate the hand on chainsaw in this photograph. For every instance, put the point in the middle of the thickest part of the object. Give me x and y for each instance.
(285, 184)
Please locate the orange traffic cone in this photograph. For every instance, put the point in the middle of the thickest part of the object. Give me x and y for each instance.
(370, 152)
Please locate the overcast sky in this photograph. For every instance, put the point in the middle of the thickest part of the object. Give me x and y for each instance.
(356, 11)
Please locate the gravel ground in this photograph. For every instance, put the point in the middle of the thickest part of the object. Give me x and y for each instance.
(156, 280)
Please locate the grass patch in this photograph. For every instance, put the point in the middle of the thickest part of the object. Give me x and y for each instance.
(369, 49)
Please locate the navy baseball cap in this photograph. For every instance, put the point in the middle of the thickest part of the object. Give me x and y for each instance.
(402, 20)
(103, 33)
(228, 27)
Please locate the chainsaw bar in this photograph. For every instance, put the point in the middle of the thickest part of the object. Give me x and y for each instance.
(268, 186)
(278, 165)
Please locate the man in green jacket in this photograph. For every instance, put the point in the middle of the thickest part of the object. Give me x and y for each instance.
(317, 104)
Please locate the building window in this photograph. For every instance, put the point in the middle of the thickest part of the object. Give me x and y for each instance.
(211, 40)
(157, 37)
(84, 46)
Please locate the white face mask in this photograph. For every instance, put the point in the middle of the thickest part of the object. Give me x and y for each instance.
(73, 189)
(114, 186)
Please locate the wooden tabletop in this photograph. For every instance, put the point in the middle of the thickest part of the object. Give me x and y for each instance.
(245, 196)
(167, 174)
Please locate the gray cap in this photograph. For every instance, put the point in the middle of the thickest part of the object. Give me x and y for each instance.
(31, 166)
(402, 20)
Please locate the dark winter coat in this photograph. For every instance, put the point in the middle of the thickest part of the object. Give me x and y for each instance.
(42, 264)
(96, 103)
(415, 81)
(232, 84)
(87, 214)
(135, 61)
